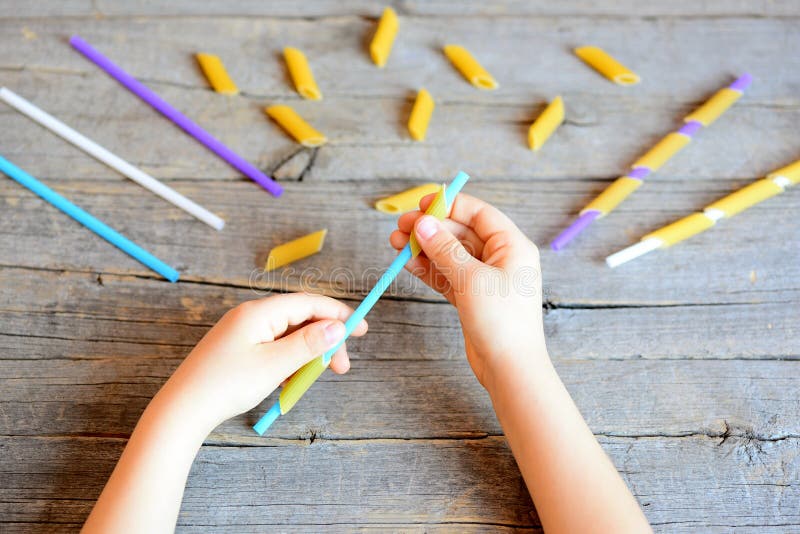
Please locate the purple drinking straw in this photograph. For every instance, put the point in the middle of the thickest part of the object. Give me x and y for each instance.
(140, 90)
(574, 229)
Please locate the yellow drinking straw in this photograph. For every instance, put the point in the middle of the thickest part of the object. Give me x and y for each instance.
(774, 184)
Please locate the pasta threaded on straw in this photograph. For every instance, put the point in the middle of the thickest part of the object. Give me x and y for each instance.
(651, 161)
(774, 184)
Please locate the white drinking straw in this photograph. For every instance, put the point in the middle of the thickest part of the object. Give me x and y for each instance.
(112, 160)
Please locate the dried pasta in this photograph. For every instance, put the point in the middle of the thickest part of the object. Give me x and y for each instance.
(438, 209)
(602, 62)
(381, 45)
(611, 197)
(294, 250)
(216, 74)
(546, 123)
(408, 200)
(294, 124)
(469, 67)
(420, 115)
(714, 106)
(657, 156)
(301, 74)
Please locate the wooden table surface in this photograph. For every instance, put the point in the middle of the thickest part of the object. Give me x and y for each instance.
(684, 363)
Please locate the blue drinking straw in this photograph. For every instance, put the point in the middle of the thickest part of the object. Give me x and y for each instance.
(89, 221)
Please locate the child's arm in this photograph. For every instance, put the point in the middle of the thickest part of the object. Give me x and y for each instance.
(486, 267)
(234, 367)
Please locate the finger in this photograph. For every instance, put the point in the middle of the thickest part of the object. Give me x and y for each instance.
(466, 235)
(269, 318)
(340, 362)
(482, 217)
(284, 356)
(445, 251)
(422, 268)
(398, 239)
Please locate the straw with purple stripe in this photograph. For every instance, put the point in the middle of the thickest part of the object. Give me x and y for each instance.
(146, 94)
(638, 172)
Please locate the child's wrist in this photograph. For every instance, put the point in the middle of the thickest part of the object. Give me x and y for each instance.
(523, 368)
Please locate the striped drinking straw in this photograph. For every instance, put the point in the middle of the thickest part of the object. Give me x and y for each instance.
(774, 184)
(654, 159)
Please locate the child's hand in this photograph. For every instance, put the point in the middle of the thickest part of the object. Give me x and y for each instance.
(489, 270)
(256, 346)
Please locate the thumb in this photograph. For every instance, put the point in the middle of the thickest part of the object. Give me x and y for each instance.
(291, 352)
(444, 250)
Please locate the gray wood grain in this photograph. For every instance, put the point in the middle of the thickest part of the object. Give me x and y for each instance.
(691, 482)
(406, 8)
(684, 363)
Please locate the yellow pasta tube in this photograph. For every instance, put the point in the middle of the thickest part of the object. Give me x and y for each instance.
(381, 45)
(420, 115)
(681, 229)
(408, 200)
(301, 74)
(714, 106)
(296, 249)
(546, 123)
(791, 172)
(745, 197)
(602, 62)
(300, 382)
(613, 195)
(438, 209)
(662, 151)
(216, 74)
(294, 124)
(469, 67)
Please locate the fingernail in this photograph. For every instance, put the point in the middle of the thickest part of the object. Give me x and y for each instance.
(334, 332)
(427, 227)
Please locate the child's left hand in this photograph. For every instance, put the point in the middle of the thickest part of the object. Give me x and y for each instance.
(255, 347)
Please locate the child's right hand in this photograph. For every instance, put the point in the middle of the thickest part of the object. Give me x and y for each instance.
(489, 270)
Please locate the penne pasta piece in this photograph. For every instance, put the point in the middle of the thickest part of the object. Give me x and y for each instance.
(421, 115)
(469, 67)
(657, 156)
(790, 172)
(289, 120)
(438, 209)
(714, 106)
(408, 200)
(216, 74)
(681, 229)
(301, 74)
(294, 250)
(381, 45)
(747, 196)
(615, 193)
(546, 123)
(602, 62)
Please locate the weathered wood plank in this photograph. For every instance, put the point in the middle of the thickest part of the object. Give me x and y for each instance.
(426, 399)
(692, 482)
(72, 316)
(715, 267)
(407, 8)
(365, 110)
